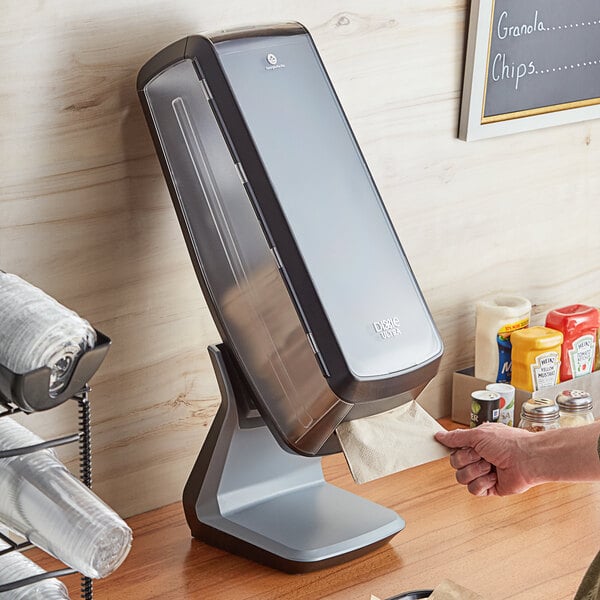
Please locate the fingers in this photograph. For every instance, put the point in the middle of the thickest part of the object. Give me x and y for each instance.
(484, 485)
(474, 471)
(459, 438)
(462, 457)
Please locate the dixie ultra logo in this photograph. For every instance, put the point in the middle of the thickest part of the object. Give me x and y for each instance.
(387, 328)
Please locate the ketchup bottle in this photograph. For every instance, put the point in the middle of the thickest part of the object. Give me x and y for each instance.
(579, 325)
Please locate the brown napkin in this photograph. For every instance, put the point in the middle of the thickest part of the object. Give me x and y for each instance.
(390, 442)
(448, 590)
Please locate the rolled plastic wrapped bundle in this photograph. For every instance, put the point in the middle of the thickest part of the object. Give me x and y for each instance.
(14, 567)
(497, 318)
(44, 502)
(37, 331)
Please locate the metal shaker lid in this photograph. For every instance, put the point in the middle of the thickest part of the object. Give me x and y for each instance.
(540, 409)
(574, 401)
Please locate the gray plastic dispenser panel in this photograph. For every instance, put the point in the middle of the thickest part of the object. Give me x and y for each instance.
(340, 226)
(247, 293)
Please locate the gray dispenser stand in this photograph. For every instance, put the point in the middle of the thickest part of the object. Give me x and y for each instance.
(249, 496)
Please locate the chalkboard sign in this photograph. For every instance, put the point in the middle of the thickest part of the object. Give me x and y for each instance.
(530, 64)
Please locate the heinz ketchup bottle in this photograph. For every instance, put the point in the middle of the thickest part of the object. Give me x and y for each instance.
(579, 325)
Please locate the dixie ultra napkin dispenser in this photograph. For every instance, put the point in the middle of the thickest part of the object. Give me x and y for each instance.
(319, 312)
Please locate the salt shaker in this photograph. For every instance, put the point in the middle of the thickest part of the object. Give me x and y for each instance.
(575, 408)
(539, 414)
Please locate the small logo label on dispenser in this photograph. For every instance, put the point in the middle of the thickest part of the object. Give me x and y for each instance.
(273, 62)
(387, 328)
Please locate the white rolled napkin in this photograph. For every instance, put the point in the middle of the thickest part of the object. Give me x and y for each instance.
(390, 442)
(37, 331)
(14, 567)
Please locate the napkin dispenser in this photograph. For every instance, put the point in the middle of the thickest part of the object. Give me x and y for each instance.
(320, 316)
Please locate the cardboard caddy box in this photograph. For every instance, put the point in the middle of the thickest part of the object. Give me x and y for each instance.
(464, 383)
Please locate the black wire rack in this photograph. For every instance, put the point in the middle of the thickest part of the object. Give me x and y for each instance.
(26, 393)
(83, 438)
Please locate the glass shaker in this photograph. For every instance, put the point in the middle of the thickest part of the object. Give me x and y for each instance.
(575, 408)
(539, 414)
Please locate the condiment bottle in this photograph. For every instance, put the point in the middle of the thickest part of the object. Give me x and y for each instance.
(579, 326)
(539, 414)
(535, 358)
(575, 408)
(597, 361)
(497, 318)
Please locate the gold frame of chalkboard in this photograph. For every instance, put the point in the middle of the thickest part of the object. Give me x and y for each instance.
(473, 124)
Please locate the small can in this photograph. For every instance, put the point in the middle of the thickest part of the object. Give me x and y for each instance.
(485, 407)
(507, 401)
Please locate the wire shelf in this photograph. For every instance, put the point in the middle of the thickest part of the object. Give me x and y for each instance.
(28, 392)
(83, 437)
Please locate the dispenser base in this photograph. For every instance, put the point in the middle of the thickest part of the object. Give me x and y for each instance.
(297, 534)
(249, 496)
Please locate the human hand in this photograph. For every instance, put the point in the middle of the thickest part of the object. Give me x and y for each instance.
(491, 460)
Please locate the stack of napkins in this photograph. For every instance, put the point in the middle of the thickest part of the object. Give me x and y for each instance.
(390, 442)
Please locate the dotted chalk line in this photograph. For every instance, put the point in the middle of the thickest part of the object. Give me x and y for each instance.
(588, 63)
(571, 25)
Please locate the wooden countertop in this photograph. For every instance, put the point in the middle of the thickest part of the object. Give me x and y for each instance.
(535, 546)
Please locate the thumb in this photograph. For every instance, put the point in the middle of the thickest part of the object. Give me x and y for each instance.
(459, 438)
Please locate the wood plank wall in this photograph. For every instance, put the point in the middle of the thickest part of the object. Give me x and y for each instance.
(85, 214)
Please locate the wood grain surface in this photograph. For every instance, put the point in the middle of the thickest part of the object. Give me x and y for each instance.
(85, 213)
(535, 546)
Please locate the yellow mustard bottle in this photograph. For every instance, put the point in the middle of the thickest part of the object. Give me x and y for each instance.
(535, 358)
